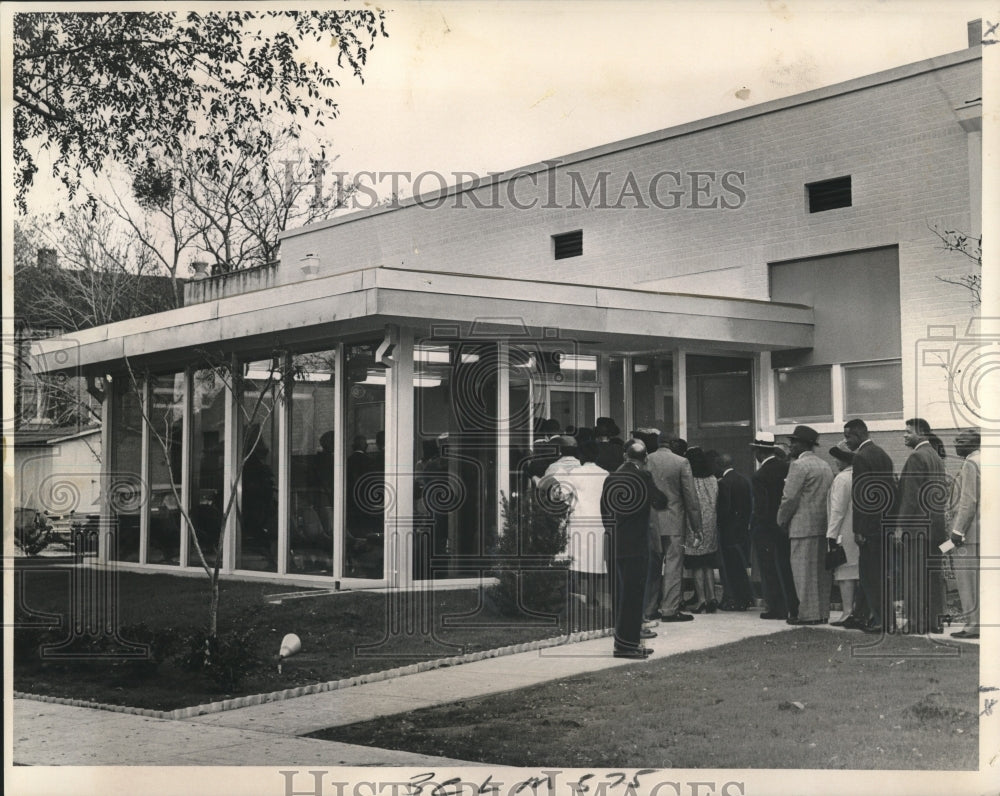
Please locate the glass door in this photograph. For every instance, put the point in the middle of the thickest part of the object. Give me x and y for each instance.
(574, 407)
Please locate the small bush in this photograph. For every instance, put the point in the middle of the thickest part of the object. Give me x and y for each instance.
(531, 578)
(161, 644)
(229, 658)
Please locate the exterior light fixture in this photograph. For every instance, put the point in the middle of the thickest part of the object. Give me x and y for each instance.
(309, 264)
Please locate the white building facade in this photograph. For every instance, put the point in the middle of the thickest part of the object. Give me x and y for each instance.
(768, 267)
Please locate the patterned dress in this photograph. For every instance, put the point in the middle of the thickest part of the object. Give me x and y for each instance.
(701, 546)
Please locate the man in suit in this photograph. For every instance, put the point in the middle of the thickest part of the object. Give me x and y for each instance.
(628, 497)
(773, 550)
(544, 452)
(923, 496)
(734, 509)
(964, 524)
(873, 493)
(802, 515)
(672, 476)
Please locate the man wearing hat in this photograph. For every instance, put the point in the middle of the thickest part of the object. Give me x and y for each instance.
(771, 546)
(803, 514)
(964, 533)
(610, 447)
(545, 450)
(672, 476)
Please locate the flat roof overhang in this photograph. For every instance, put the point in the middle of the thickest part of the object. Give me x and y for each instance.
(348, 304)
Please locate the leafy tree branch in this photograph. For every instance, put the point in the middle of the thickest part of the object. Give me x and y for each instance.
(99, 87)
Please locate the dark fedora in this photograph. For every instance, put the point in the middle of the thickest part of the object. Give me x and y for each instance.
(606, 427)
(806, 435)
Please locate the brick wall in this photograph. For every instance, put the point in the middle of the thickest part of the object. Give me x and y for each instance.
(896, 134)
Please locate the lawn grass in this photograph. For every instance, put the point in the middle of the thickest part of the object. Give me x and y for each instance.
(343, 635)
(725, 707)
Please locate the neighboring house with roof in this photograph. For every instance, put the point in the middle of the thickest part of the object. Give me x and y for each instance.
(770, 266)
(57, 417)
(58, 473)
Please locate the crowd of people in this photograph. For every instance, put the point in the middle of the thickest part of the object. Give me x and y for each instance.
(647, 514)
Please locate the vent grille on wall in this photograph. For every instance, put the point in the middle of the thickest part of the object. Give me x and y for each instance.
(568, 244)
(829, 194)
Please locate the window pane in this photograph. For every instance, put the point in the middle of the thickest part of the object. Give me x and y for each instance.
(126, 486)
(364, 451)
(166, 415)
(311, 480)
(653, 393)
(616, 387)
(208, 494)
(257, 540)
(526, 411)
(455, 423)
(873, 390)
(724, 398)
(804, 394)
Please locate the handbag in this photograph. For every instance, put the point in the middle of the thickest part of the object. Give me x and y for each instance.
(834, 558)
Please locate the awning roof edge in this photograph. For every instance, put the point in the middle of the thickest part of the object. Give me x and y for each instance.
(423, 295)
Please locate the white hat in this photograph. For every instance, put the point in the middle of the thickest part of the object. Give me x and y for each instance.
(764, 439)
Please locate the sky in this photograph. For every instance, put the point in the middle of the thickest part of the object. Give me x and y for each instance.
(481, 86)
(491, 86)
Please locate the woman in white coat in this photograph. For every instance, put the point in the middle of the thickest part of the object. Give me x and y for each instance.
(840, 530)
(586, 538)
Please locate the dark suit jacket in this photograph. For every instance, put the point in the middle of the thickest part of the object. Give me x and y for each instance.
(923, 493)
(735, 507)
(629, 495)
(541, 456)
(610, 454)
(768, 484)
(873, 490)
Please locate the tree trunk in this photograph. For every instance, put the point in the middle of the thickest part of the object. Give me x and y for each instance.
(213, 611)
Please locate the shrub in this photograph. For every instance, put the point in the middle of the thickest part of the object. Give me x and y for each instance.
(229, 658)
(161, 643)
(30, 634)
(530, 577)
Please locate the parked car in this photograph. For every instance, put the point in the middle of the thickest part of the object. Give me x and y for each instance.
(32, 530)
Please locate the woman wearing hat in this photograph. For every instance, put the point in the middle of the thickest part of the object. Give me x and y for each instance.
(840, 531)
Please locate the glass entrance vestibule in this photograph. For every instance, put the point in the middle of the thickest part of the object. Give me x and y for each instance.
(378, 460)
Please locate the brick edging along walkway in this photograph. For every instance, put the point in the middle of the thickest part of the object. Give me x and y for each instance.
(316, 688)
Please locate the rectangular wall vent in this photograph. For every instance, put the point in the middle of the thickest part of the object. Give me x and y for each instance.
(829, 194)
(568, 244)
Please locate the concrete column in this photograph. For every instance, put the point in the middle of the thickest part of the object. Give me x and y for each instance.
(628, 419)
(399, 402)
(283, 461)
(503, 428)
(187, 404)
(229, 468)
(106, 524)
(339, 474)
(147, 488)
(680, 393)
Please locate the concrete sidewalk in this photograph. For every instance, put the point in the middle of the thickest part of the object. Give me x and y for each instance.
(268, 734)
